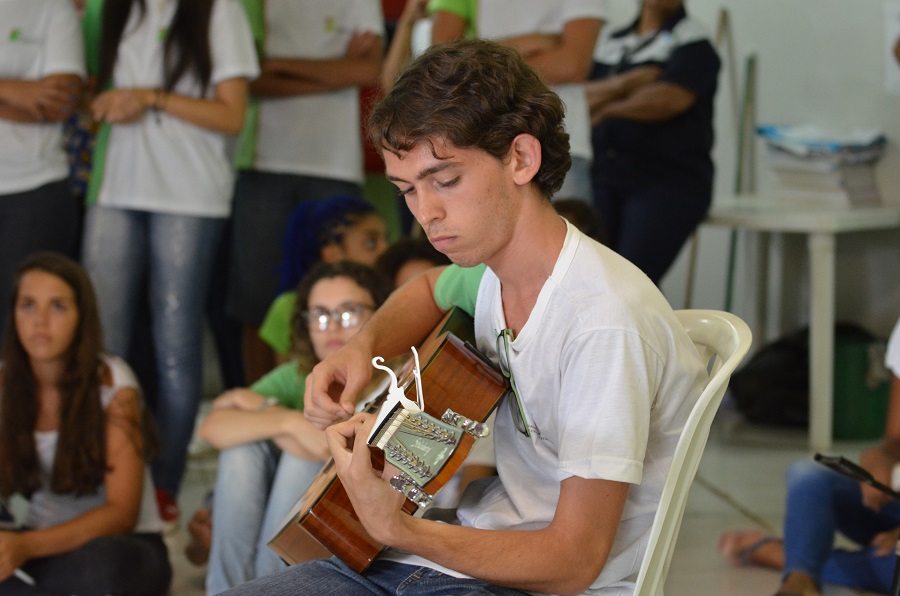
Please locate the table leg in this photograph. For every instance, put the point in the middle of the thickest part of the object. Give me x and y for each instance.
(821, 338)
(761, 300)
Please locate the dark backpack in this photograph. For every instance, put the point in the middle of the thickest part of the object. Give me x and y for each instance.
(773, 386)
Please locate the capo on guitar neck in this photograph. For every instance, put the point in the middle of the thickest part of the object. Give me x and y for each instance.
(396, 398)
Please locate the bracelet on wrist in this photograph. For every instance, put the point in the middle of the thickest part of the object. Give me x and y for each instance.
(160, 98)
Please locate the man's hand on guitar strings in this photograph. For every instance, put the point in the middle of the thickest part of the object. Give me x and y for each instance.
(376, 502)
(334, 384)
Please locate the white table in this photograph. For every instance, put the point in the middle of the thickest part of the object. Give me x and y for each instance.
(821, 224)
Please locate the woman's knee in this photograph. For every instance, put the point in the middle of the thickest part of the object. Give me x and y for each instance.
(812, 476)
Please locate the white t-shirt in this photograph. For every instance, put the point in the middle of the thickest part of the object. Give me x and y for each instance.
(164, 164)
(509, 18)
(611, 407)
(317, 134)
(39, 38)
(49, 509)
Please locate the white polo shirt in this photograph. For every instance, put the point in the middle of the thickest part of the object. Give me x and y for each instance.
(38, 38)
(509, 18)
(317, 134)
(162, 163)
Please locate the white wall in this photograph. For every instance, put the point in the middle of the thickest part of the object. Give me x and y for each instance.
(818, 62)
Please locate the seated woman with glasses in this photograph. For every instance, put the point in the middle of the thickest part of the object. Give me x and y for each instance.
(269, 452)
(329, 230)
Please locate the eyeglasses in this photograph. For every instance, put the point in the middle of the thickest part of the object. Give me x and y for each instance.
(347, 316)
(515, 405)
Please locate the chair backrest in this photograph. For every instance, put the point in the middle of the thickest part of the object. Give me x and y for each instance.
(722, 340)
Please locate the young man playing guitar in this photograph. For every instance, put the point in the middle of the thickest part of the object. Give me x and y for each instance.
(604, 376)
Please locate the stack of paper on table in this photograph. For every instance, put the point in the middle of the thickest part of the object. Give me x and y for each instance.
(824, 167)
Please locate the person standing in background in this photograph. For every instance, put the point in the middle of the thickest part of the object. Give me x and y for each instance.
(651, 106)
(303, 139)
(41, 76)
(556, 38)
(173, 83)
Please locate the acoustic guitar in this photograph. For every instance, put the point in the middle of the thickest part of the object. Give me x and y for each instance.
(461, 388)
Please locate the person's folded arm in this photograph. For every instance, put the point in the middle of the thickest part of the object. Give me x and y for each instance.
(301, 439)
(238, 416)
(224, 112)
(600, 92)
(570, 60)
(358, 67)
(655, 102)
(273, 84)
(532, 43)
(50, 99)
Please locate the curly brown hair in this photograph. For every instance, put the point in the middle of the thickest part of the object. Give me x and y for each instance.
(474, 94)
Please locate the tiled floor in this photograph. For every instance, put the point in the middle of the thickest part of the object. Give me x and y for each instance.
(740, 485)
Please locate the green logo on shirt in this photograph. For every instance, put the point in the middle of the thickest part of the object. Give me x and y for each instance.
(15, 35)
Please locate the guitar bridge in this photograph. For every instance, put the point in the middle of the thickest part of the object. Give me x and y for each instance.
(407, 487)
(416, 443)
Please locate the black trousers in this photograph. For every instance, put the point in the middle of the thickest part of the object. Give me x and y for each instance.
(130, 565)
(43, 218)
(648, 224)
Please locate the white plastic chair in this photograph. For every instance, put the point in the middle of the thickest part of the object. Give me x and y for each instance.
(722, 340)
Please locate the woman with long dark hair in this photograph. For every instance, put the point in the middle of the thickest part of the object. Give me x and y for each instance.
(74, 442)
(173, 76)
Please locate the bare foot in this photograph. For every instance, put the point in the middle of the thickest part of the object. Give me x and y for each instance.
(200, 530)
(752, 547)
(798, 584)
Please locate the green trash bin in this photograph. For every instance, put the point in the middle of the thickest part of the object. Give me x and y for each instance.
(861, 388)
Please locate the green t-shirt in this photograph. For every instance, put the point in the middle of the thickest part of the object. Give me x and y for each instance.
(276, 326)
(458, 286)
(286, 383)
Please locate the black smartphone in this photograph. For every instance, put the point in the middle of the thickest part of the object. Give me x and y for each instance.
(848, 468)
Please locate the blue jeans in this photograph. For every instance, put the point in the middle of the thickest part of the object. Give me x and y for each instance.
(821, 502)
(256, 487)
(332, 577)
(175, 254)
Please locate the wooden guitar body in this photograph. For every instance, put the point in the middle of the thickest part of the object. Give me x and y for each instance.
(454, 376)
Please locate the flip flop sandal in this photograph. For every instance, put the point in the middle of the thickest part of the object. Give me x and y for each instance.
(744, 555)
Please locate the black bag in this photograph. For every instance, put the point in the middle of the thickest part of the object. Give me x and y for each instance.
(773, 386)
